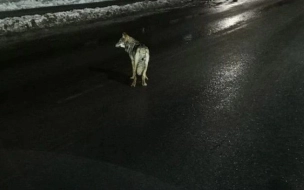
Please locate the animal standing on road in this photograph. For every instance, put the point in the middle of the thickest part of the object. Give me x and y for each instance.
(139, 55)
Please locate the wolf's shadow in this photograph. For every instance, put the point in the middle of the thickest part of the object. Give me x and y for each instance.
(112, 75)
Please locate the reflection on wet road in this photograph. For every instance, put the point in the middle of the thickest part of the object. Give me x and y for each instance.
(232, 22)
(225, 83)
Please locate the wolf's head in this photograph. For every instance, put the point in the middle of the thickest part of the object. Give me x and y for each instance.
(122, 41)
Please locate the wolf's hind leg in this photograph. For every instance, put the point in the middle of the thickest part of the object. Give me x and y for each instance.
(133, 69)
(143, 79)
(134, 81)
(144, 74)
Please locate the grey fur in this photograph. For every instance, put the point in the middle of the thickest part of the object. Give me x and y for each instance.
(139, 55)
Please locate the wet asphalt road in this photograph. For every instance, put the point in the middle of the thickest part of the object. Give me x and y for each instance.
(223, 108)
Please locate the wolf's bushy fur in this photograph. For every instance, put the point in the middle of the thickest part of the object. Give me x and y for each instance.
(139, 55)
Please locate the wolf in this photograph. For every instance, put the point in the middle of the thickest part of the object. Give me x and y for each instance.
(139, 55)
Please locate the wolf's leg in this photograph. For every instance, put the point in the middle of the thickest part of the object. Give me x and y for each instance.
(144, 74)
(134, 69)
(134, 81)
(143, 79)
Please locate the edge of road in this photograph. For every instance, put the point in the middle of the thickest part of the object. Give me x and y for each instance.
(53, 9)
(10, 26)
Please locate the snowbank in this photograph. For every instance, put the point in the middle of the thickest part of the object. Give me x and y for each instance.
(29, 22)
(30, 4)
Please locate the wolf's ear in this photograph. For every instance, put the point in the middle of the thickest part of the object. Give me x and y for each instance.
(124, 34)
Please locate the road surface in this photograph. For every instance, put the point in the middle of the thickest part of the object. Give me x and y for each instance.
(223, 108)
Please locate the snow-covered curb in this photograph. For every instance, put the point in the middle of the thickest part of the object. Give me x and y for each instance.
(29, 22)
(30, 4)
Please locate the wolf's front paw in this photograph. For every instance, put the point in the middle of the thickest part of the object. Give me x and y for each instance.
(144, 84)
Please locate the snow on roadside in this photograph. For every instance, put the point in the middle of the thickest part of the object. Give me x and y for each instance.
(29, 22)
(30, 4)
